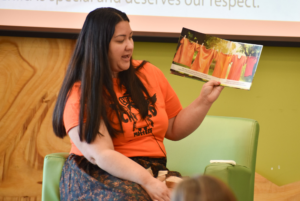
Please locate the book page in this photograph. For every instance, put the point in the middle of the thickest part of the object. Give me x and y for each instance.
(204, 57)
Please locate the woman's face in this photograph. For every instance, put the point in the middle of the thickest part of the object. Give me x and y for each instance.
(120, 48)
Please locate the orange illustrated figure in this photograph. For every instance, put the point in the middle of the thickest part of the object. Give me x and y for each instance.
(251, 61)
(236, 68)
(185, 52)
(222, 64)
(203, 59)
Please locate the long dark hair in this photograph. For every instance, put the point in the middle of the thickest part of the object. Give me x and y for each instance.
(90, 65)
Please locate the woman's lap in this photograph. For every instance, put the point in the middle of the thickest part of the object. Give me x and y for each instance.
(81, 180)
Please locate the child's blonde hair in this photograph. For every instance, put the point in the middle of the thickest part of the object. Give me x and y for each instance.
(202, 188)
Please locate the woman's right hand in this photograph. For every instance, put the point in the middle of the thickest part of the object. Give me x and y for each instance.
(157, 190)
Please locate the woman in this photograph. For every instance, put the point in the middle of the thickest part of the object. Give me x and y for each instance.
(202, 188)
(117, 112)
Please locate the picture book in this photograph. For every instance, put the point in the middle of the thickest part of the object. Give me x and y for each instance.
(204, 57)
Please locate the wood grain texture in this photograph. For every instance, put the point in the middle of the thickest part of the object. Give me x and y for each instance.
(31, 73)
(264, 190)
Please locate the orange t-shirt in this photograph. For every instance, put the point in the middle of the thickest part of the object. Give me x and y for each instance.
(185, 52)
(138, 138)
(178, 52)
(203, 59)
(251, 61)
(236, 68)
(221, 66)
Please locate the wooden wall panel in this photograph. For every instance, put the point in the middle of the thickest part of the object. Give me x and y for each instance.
(31, 72)
(264, 190)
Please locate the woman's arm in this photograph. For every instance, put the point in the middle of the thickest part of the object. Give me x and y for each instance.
(101, 152)
(189, 118)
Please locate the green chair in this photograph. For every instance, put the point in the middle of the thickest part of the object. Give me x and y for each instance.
(218, 138)
(53, 164)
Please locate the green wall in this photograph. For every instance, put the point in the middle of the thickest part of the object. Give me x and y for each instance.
(274, 101)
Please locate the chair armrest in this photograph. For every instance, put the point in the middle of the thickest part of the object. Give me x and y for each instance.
(53, 164)
(237, 177)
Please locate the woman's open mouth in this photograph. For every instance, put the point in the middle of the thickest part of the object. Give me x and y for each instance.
(126, 57)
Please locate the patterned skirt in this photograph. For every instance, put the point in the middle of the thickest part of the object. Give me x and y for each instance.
(81, 180)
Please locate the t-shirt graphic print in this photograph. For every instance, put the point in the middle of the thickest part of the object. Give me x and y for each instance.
(132, 116)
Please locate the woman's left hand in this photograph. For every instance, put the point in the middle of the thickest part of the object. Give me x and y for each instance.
(210, 92)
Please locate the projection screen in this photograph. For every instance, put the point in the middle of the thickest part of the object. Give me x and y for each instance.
(275, 19)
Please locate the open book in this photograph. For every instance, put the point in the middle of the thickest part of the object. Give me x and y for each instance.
(205, 58)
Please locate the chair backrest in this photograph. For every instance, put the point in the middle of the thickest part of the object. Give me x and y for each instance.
(217, 138)
(53, 164)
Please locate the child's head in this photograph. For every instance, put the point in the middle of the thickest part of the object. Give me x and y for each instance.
(202, 188)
